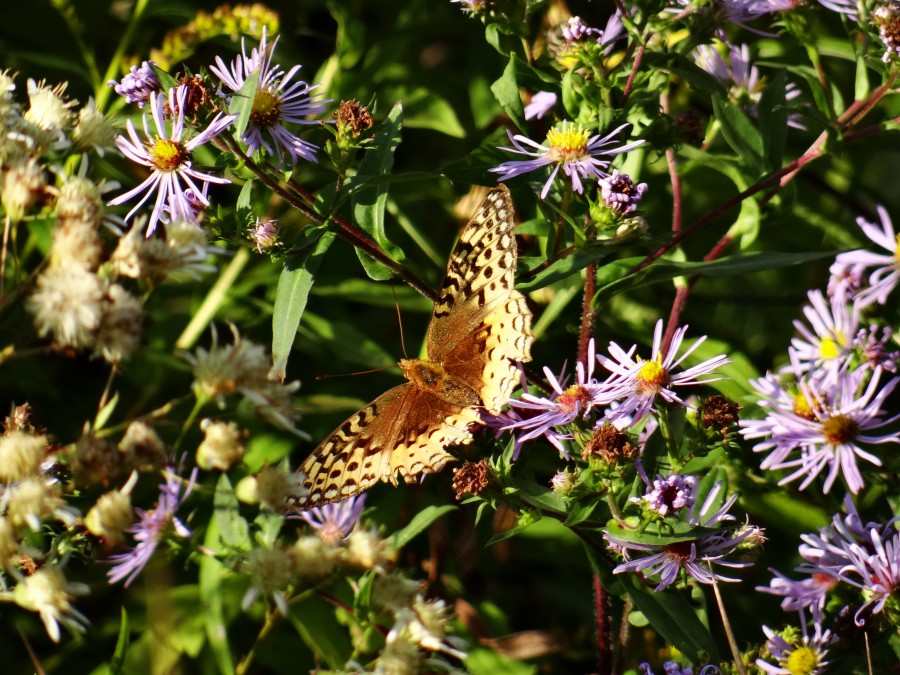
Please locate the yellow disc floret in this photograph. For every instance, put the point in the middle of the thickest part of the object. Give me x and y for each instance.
(652, 377)
(802, 661)
(266, 109)
(167, 155)
(567, 142)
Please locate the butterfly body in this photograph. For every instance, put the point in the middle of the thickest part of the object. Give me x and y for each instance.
(480, 327)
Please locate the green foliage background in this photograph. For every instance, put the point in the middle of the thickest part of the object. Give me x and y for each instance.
(434, 60)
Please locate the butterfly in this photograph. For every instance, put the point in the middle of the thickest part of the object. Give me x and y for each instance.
(480, 327)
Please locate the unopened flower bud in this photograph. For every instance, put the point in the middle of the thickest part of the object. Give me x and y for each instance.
(113, 514)
(314, 558)
(270, 569)
(367, 550)
(48, 109)
(93, 130)
(21, 455)
(221, 447)
(22, 185)
(143, 447)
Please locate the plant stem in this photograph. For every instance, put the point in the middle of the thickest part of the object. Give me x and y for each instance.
(213, 300)
(726, 624)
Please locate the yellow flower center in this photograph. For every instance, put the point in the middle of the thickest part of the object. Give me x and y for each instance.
(167, 155)
(839, 429)
(651, 377)
(266, 109)
(802, 661)
(571, 397)
(830, 347)
(802, 408)
(897, 250)
(567, 142)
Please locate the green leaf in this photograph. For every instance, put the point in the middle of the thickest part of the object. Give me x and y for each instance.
(419, 523)
(580, 511)
(537, 495)
(322, 635)
(105, 412)
(211, 576)
(291, 296)
(716, 457)
(472, 168)
(369, 201)
(244, 202)
(242, 103)
(673, 617)
(612, 278)
(862, 86)
(680, 531)
(425, 109)
(482, 661)
(346, 339)
(506, 91)
(739, 133)
(118, 658)
(233, 529)
(562, 268)
(773, 120)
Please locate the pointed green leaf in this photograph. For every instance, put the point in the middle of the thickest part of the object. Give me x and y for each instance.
(506, 91)
(673, 617)
(211, 576)
(419, 523)
(740, 133)
(369, 201)
(242, 103)
(291, 295)
(233, 529)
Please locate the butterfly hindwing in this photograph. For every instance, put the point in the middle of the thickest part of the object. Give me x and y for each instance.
(403, 430)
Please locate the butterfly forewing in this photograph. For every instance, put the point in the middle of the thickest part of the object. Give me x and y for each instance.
(481, 325)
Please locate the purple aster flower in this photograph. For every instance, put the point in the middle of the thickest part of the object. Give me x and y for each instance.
(168, 156)
(873, 566)
(809, 593)
(809, 650)
(540, 105)
(620, 193)
(137, 85)
(736, 73)
(567, 146)
(863, 555)
(278, 100)
(334, 522)
(541, 416)
(741, 11)
(576, 30)
(824, 347)
(697, 558)
(873, 348)
(847, 280)
(670, 494)
(886, 272)
(887, 18)
(152, 526)
(470, 6)
(637, 383)
(830, 436)
(264, 233)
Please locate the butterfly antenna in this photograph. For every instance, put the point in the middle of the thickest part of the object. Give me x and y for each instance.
(399, 321)
(358, 372)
